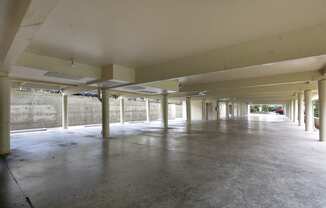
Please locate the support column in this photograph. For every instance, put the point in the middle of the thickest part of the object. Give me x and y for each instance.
(296, 108)
(164, 110)
(188, 110)
(148, 119)
(233, 111)
(322, 109)
(203, 107)
(239, 110)
(218, 111)
(64, 111)
(293, 110)
(309, 118)
(288, 111)
(5, 90)
(300, 109)
(227, 111)
(105, 114)
(122, 110)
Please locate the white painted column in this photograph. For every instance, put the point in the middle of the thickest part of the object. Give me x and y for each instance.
(248, 109)
(296, 108)
(5, 90)
(322, 109)
(188, 110)
(300, 109)
(64, 111)
(148, 119)
(288, 110)
(293, 109)
(122, 109)
(239, 110)
(309, 119)
(164, 110)
(105, 114)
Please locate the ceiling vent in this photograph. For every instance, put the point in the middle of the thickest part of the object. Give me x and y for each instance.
(135, 88)
(62, 76)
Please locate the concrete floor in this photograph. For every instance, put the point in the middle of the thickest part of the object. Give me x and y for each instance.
(261, 162)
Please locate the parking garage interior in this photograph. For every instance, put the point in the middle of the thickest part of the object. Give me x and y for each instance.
(110, 103)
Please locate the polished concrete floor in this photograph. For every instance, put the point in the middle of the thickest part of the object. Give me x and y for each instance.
(261, 162)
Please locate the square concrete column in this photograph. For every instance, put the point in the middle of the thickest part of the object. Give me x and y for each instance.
(322, 109)
(148, 119)
(105, 114)
(289, 110)
(227, 110)
(64, 111)
(309, 118)
(239, 110)
(232, 111)
(5, 90)
(293, 109)
(188, 110)
(203, 107)
(164, 110)
(296, 108)
(218, 111)
(300, 109)
(122, 110)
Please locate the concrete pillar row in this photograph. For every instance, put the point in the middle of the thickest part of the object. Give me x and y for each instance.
(164, 110)
(148, 110)
(188, 110)
(122, 110)
(322, 109)
(300, 109)
(309, 119)
(105, 113)
(64, 111)
(5, 90)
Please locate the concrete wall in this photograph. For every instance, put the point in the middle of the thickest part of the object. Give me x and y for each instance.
(155, 109)
(135, 110)
(43, 110)
(35, 110)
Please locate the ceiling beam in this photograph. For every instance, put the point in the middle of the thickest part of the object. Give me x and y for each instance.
(272, 49)
(12, 13)
(32, 15)
(281, 79)
(277, 89)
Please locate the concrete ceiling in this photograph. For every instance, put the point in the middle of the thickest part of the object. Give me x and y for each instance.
(206, 45)
(146, 32)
